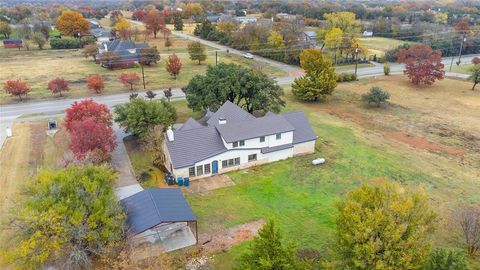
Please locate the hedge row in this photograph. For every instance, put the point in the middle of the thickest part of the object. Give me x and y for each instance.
(70, 43)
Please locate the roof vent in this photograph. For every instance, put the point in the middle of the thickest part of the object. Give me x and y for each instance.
(222, 121)
(170, 135)
(105, 47)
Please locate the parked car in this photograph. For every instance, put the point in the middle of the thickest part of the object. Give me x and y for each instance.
(248, 55)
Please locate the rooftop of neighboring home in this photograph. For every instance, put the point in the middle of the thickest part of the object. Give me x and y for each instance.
(126, 49)
(194, 142)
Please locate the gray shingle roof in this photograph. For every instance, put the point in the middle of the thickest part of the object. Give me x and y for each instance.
(150, 207)
(190, 124)
(253, 128)
(192, 145)
(303, 129)
(231, 112)
(127, 50)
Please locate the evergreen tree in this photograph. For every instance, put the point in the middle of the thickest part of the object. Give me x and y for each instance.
(320, 79)
(197, 52)
(177, 22)
(268, 252)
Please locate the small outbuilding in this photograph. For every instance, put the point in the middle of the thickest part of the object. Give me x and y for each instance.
(12, 43)
(161, 216)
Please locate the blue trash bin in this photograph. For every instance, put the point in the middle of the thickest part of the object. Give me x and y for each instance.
(187, 182)
(180, 181)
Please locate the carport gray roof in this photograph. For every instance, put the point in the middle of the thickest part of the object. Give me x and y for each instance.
(190, 124)
(193, 145)
(253, 128)
(150, 207)
(303, 130)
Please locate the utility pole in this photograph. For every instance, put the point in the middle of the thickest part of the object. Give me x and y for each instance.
(143, 74)
(356, 60)
(216, 58)
(461, 48)
(460, 53)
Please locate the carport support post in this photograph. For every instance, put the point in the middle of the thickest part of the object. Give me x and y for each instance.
(196, 231)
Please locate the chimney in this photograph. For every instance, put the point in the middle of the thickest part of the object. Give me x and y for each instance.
(222, 121)
(105, 47)
(170, 135)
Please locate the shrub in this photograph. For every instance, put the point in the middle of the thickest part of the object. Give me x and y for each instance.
(346, 77)
(476, 60)
(442, 259)
(70, 43)
(144, 176)
(386, 69)
(376, 97)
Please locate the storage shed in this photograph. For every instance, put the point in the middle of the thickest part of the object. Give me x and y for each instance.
(12, 43)
(161, 216)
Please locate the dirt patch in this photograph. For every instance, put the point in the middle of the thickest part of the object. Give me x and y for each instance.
(345, 115)
(424, 144)
(205, 185)
(222, 240)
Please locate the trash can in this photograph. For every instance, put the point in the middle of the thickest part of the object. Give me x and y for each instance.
(186, 182)
(180, 181)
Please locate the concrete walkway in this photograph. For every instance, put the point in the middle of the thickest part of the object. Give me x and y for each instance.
(121, 161)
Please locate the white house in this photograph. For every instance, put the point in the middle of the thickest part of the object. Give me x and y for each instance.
(233, 139)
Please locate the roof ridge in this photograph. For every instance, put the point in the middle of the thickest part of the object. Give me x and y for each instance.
(155, 204)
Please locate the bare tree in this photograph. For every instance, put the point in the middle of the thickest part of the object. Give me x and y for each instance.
(469, 219)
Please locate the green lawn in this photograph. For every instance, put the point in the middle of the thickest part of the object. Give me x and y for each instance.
(460, 69)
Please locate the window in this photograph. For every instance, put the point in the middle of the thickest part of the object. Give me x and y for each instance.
(235, 144)
(238, 143)
(191, 171)
(242, 143)
(279, 136)
(252, 157)
(199, 170)
(262, 139)
(230, 162)
(207, 168)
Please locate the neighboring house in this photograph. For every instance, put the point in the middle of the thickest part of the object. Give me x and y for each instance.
(12, 43)
(286, 16)
(128, 52)
(213, 18)
(245, 19)
(231, 139)
(94, 25)
(160, 216)
(367, 34)
(102, 35)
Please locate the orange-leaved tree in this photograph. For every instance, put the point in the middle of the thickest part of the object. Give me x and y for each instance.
(58, 85)
(154, 21)
(71, 23)
(422, 64)
(129, 79)
(173, 65)
(95, 83)
(16, 88)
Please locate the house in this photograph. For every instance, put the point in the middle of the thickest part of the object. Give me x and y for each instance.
(245, 19)
(286, 16)
(160, 216)
(367, 34)
(128, 52)
(102, 35)
(232, 139)
(12, 43)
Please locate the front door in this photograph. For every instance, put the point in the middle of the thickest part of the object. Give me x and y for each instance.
(215, 167)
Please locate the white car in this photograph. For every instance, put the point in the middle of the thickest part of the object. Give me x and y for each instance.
(248, 55)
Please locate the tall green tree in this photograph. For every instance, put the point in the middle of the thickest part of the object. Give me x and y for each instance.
(475, 75)
(252, 91)
(67, 217)
(442, 259)
(140, 116)
(320, 79)
(177, 22)
(197, 52)
(384, 227)
(268, 252)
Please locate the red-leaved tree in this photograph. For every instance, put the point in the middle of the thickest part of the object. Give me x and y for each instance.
(88, 136)
(138, 14)
(95, 83)
(422, 64)
(476, 60)
(58, 85)
(87, 109)
(173, 65)
(16, 88)
(154, 21)
(129, 79)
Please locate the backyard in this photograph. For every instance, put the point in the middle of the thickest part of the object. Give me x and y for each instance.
(412, 141)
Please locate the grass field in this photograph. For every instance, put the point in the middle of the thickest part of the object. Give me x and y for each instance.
(379, 45)
(37, 67)
(461, 69)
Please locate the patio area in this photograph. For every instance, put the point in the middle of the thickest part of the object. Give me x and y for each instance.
(205, 185)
